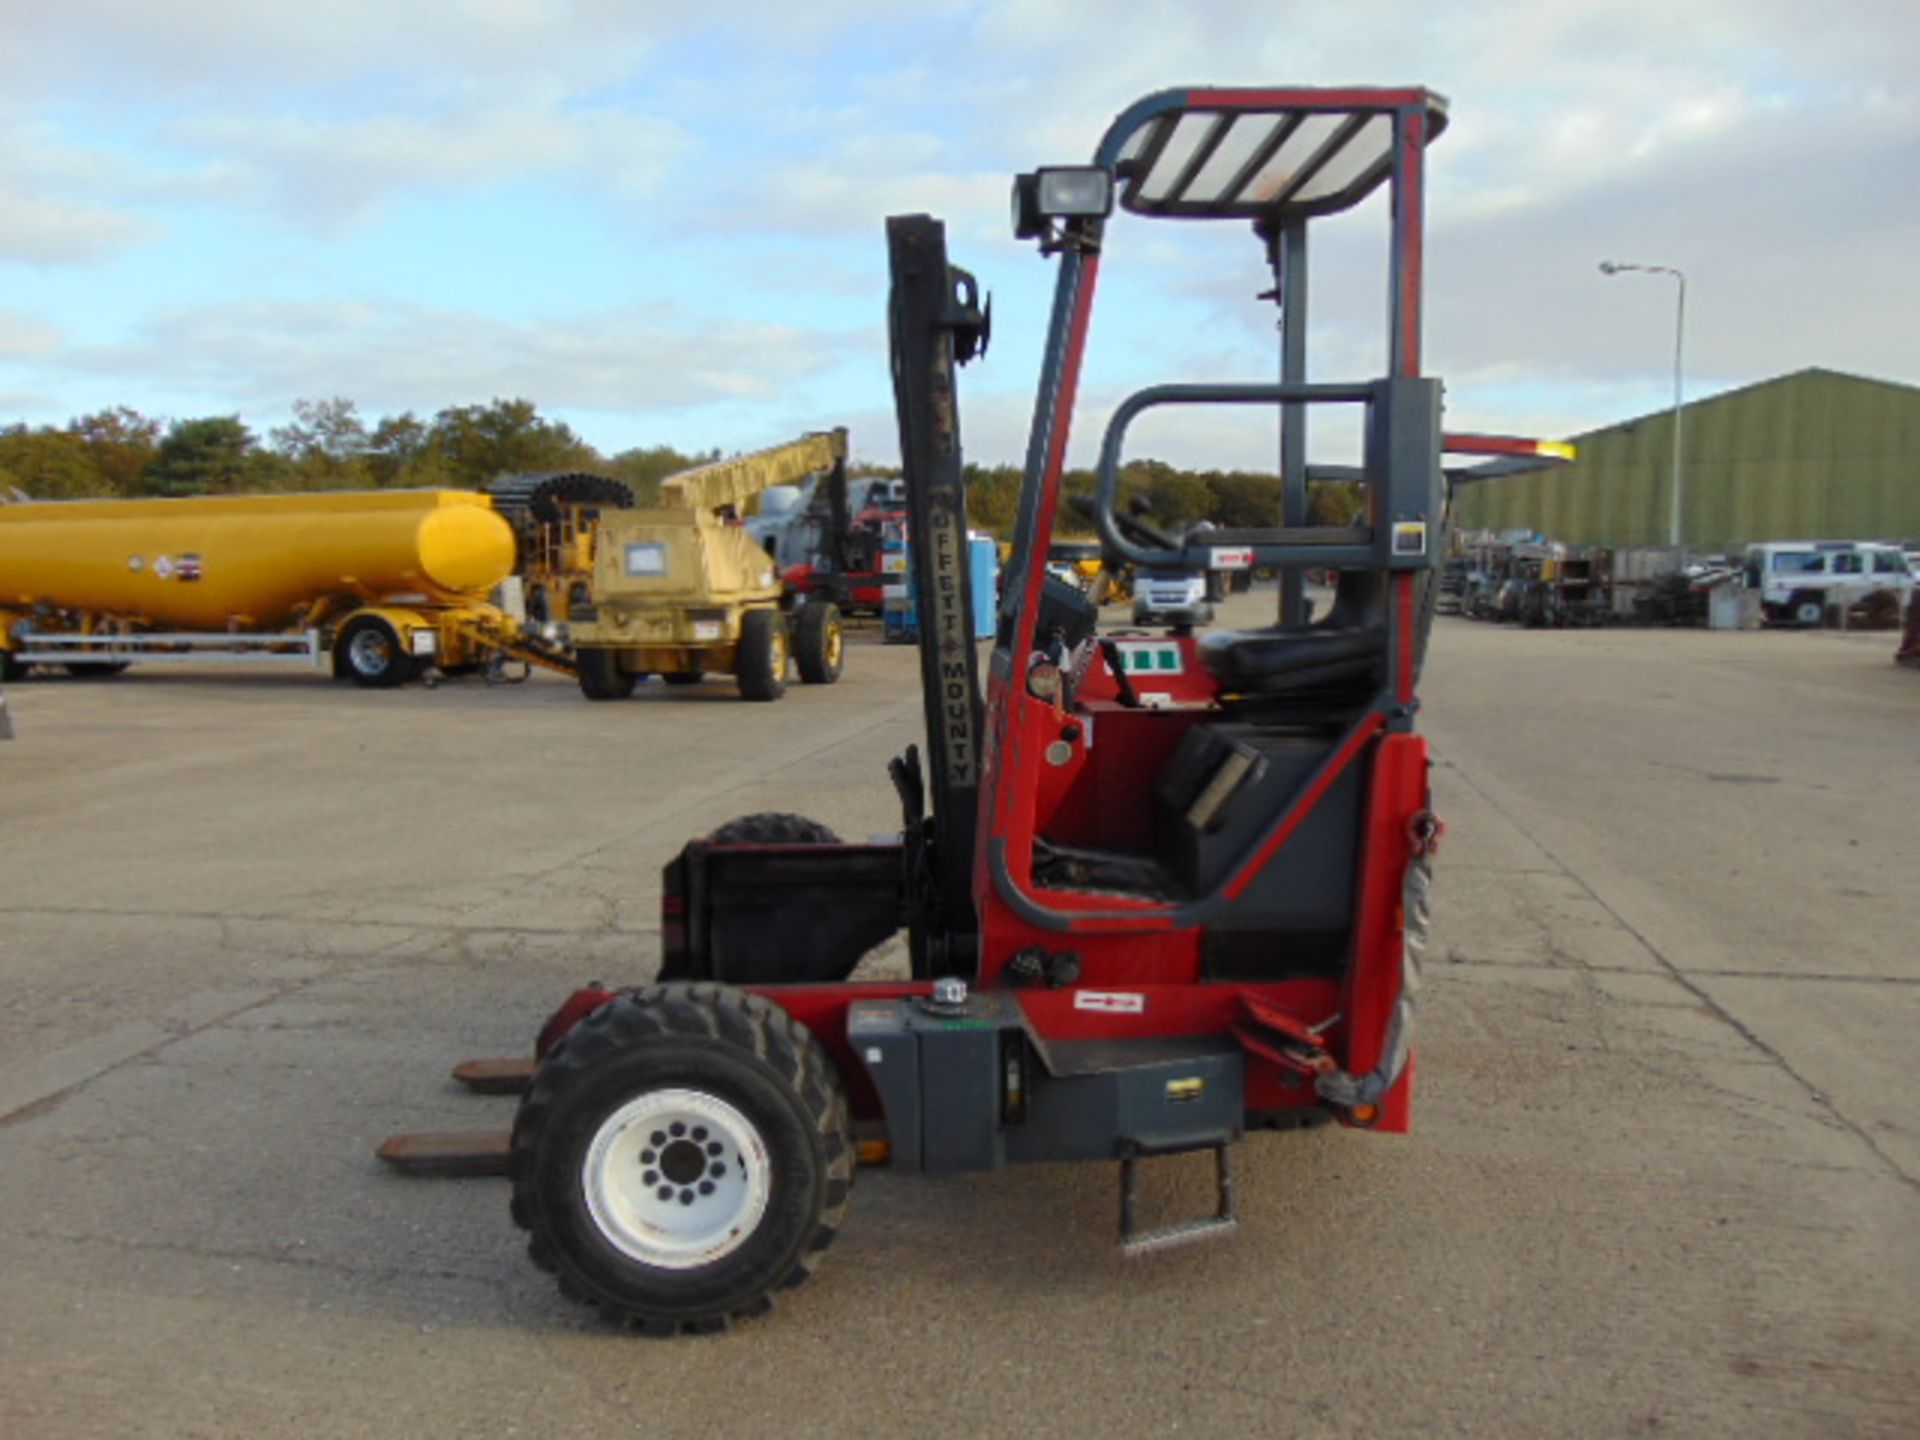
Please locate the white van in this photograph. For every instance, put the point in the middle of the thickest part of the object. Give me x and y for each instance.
(1798, 579)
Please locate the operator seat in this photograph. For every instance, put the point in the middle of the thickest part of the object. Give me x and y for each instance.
(1339, 660)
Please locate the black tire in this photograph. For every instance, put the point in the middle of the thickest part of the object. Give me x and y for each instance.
(368, 652)
(819, 646)
(683, 677)
(696, 1057)
(762, 666)
(600, 675)
(773, 828)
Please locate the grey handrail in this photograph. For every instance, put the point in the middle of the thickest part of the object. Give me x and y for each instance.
(1107, 486)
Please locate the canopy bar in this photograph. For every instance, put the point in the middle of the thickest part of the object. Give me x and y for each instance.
(1269, 155)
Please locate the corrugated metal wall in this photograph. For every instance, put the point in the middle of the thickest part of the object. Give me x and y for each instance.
(1813, 455)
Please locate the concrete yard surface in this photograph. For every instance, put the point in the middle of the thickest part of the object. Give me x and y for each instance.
(1664, 1177)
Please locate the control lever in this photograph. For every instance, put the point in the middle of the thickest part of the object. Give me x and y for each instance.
(1116, 662)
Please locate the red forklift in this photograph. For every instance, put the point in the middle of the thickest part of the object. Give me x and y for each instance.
(1161, 890)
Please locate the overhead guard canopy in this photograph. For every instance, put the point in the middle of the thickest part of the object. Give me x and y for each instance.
(1261, 154)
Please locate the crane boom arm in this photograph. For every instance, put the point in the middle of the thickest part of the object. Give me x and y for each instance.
(733, 482)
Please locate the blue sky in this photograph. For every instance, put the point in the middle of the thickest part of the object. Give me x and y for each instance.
(663, 223)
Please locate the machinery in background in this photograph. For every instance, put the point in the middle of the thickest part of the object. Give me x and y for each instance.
(556, 518)
(682, 589)
(383, 584)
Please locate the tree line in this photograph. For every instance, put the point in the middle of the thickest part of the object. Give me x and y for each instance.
(120, 453)
(1174, 498)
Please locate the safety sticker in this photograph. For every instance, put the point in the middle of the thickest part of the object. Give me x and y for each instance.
(1109, 1002)
(163, 567)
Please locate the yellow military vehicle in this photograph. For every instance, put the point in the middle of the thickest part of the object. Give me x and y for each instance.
(682, 590)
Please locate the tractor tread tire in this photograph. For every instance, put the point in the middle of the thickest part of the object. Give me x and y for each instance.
(819, 645)
(763, 655)
(601, 678)
(773, 827)
(579, 1080)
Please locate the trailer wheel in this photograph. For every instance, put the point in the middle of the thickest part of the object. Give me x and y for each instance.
(682, 1154)
(819, 647)
(763, 655)
(369, 653)
(601, 677)
(773, 827)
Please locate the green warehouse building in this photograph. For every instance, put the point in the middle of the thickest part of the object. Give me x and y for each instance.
(1815, 455)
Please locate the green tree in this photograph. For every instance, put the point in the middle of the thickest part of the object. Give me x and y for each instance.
(327, 446)
(1240, 501)
(216, 455)
(400, 454)
(993, 498)
(47, 464)
(121, 443)
(478, 442)
(1336, 502)
(645, 467)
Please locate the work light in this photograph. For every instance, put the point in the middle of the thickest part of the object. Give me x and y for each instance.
(1060, 192)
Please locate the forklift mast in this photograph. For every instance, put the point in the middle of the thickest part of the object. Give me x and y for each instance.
(936, 323)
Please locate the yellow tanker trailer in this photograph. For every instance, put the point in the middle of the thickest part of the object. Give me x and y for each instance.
(382, 582)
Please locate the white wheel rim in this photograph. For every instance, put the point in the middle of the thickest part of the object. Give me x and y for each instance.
(677, 1178)
(371, 652)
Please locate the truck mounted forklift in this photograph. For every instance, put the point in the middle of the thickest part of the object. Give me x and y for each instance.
(1160, 890)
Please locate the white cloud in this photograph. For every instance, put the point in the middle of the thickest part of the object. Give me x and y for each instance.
(397, 356)
(26, 337)
(332, 175)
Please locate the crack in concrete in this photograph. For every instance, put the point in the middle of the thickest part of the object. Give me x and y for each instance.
(130, 1245)
(1706, 997)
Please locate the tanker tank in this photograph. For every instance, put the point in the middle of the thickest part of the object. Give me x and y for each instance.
(250, 561)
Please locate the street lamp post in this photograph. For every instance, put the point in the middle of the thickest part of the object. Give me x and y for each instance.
(1613, 267)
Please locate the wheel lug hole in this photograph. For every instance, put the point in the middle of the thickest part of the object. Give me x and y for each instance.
(713, 1148)
(665, 1192)
(706, 1187)
(647, 1157)
(686, 1197)
(659, 1138)
(700, 1132)
(652, 1177)
(716, 1170)
(677, 1129)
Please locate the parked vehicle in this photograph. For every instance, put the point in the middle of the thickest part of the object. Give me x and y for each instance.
(682, 589)
(1167, 596)
(383, 583)
(1799, 579)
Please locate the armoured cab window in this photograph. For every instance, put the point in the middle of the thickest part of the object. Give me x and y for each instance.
(1886, 562)
(1799, 562)
(1847, 563)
